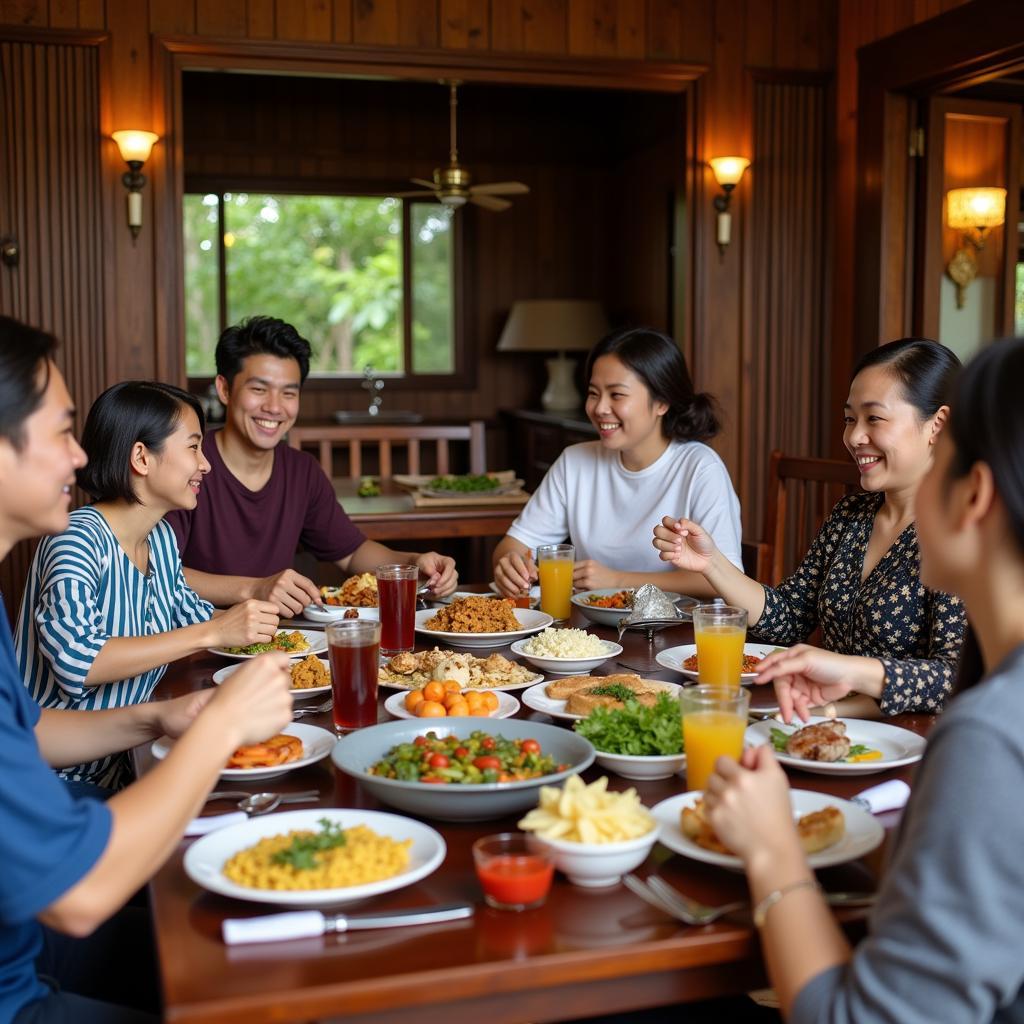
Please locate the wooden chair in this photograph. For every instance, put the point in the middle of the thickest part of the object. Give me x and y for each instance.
(817, 484)
(386, 438)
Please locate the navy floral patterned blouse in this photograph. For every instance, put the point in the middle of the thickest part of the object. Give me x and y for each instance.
(915, 632)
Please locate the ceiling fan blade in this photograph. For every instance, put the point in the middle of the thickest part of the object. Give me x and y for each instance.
(489, 202)
(413, 195)
(424, 183)
(500, 188)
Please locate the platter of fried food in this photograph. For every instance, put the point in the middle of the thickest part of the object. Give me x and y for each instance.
(356, 592)
(575, 697)
(311, 676)
(832, 831)
(296, 643)
(413, 670)
(480, 622)
(296, 746)
(836, 746)
(324, 856)
(447, 699)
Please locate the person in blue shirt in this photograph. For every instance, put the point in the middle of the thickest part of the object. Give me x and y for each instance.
(107, 607)
(70, 864)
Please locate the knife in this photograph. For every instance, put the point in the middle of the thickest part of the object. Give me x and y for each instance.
(302, 924)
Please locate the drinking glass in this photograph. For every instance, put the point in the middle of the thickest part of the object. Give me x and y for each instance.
(719, 631)
(514, 872)
(714, 721)
(396, 596)
(353, 647)
(554, 567)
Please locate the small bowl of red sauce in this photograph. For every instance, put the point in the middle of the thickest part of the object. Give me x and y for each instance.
(514, 871)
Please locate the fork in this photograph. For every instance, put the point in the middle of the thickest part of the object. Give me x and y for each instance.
(317, 709)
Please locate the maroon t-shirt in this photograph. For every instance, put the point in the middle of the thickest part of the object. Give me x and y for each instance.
(237, 532)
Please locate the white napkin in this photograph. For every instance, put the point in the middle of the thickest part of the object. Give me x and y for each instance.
(887, 796)
(200, 826)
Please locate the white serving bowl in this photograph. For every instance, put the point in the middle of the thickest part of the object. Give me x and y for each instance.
(567, 666)
(642, 766)
(597, 865)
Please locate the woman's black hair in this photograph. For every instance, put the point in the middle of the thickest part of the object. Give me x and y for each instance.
(24, 351)
(657, 361)
(260, 335)
(986, 424)
(133, 411)
(923, 367)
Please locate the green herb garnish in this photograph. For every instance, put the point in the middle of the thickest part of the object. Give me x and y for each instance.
(466, 483)
(635, 729)
(616, 690)
(301, 855)
(858, 750)
(779, 740)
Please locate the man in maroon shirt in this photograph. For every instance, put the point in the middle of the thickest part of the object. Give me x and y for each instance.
(262, 499)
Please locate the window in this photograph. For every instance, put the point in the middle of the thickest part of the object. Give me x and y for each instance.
(368, 280)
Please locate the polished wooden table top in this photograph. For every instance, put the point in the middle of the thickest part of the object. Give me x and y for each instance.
(585, 952)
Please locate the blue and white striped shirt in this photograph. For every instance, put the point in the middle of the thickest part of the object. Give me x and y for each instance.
(82, 590)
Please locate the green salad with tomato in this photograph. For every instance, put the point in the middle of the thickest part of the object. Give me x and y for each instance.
(479, 759)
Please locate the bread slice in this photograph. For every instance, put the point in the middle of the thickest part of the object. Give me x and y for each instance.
(582, 702)
(817, 830)
(560, 689)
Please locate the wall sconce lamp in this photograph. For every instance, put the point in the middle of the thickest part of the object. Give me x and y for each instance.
(135, 147)
(727, 170)
(973, 212)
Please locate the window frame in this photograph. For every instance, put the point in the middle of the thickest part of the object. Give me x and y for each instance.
(463, 377)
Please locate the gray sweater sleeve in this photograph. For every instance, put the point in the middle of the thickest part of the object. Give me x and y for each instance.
(947, 934)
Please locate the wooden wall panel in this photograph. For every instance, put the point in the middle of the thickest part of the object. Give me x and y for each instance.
(530, 26)
(465, 25)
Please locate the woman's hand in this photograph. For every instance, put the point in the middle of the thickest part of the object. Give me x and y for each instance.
(748, 805)
(514, 573)
(807, 677)
(255, 700)
(684, 544)
(251, 622)
(591, 575)
(439, 571)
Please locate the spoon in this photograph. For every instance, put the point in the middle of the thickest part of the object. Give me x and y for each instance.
(264, 803)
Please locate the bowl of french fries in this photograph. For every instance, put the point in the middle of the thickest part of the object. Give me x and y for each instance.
(594, 835)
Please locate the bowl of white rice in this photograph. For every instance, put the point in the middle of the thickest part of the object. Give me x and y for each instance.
(566, 651)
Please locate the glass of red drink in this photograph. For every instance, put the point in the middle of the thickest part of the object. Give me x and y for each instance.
(396, 595)
(515, 873)
(353, 647)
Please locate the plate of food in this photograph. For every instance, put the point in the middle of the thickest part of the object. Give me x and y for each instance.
(837, 746)
(449, 700)
(577, 696)
(335, 613)
(684, 659)
(832, 831)
(477, 485)
(356, 592)
(567, 651)
(296, 643)
(480, 622)
(295, 746)
(310, 677)
(357, 854)
(414, 669)
(608, 605)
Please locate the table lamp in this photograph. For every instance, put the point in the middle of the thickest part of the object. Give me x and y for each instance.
(555, 325)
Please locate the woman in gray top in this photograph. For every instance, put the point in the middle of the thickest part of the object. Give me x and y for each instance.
(946, 937)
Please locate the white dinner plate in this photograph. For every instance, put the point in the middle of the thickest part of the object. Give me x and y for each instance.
(536, 698)
(531, 621)
(313, 691)
(206, 857)
(317, 744)
(674, 658)
(863, 832)
(334, 613)
(316, 638)
(898, 746)
(507, 705)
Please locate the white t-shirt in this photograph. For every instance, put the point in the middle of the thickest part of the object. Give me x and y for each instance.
(609, 512)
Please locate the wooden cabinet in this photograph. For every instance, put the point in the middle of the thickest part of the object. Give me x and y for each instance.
(536, 439)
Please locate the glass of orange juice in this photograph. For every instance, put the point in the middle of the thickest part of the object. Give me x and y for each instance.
(720, 631)
(714, 721)
(554, 568)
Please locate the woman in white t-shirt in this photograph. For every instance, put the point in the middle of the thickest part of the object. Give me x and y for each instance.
(605, 495)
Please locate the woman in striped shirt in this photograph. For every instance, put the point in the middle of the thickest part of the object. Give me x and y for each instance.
(107, 606)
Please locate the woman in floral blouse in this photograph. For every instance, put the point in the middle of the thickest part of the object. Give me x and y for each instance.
(886, 634)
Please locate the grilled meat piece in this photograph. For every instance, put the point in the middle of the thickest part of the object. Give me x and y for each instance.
(824, 741)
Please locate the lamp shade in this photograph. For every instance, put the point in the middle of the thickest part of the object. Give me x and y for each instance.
(728, 169)
(553, 325)
(968, 208)
(134, 144)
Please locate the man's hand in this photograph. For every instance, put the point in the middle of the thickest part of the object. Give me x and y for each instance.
(514, 573)
(439, 571)
(173, 717)
(289, 590)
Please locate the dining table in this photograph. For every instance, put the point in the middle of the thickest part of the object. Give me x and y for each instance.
(584, 952)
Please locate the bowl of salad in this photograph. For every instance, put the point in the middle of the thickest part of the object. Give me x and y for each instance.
(461, 769)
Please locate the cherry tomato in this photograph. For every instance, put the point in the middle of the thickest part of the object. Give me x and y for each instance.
(461, 752)
(487, 743)
(483, 763)
(530, 747)
(420, 741)
(438, 761)
(433, 778)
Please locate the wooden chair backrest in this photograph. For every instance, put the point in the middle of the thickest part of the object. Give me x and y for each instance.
(816, 485)
(387, 438)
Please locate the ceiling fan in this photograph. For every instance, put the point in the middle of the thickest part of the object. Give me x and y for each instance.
(452, 185)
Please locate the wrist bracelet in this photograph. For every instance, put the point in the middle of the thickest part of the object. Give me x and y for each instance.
(761, 910)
